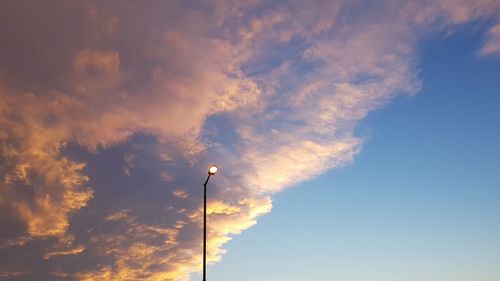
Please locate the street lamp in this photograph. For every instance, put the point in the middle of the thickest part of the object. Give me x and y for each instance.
(211, 171)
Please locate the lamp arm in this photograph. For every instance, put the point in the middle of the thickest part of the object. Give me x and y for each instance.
(205, 184)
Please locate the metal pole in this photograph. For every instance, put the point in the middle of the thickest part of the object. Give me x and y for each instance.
(205, 229)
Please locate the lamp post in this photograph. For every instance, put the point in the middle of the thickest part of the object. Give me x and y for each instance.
(211, 171)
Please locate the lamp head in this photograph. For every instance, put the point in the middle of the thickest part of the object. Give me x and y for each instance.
(212, 169)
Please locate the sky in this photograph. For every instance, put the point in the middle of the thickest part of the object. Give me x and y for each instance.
(356, 140)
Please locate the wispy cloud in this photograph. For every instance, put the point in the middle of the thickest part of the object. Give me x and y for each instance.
(492, 45)
(110, 114)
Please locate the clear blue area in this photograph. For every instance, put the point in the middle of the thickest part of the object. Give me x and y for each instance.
(420, 202)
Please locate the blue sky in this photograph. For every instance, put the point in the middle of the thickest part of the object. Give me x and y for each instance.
(419, 203)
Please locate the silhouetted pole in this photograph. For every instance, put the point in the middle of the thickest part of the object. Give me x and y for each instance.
(211, 171)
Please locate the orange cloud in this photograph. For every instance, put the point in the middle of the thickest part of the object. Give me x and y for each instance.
(30, 152)
(73, 251)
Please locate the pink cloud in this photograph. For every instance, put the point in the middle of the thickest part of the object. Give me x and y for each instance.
(492, 45)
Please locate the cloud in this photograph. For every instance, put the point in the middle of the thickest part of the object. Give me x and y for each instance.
(180, 193)
(106, 61)
(106, 130)
(39, 186)
(492, 45)
(73, 251)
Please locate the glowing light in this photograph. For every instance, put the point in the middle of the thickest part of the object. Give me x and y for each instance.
(212, 169)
